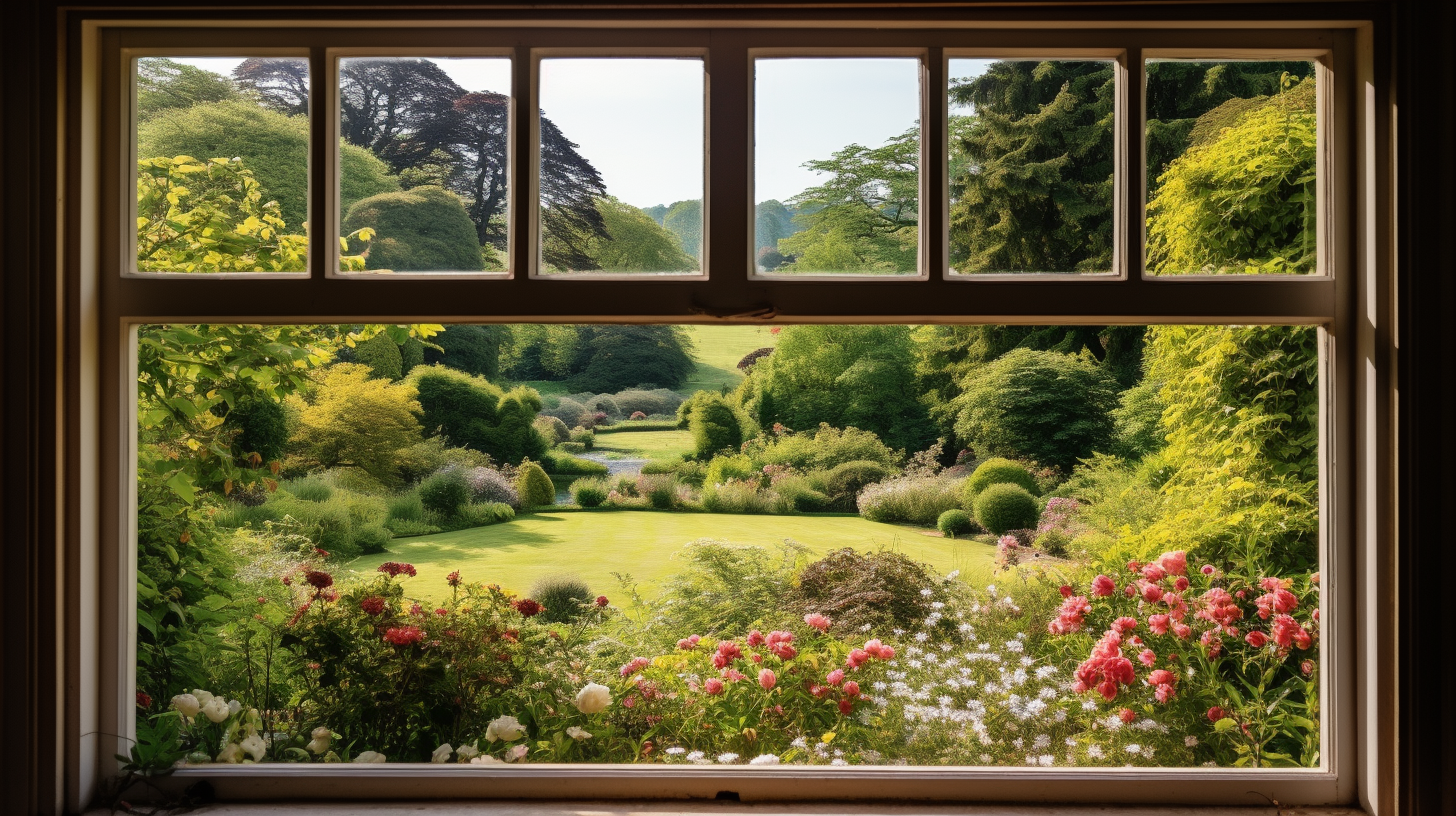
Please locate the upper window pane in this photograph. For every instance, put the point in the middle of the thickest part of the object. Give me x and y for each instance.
(222, 164)
(621, 165)
(837, 166)
(1231, 152)
(1030, 163)
(424, 164)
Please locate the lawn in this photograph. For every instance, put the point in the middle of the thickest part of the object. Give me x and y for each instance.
(593, 545)
(717, 350)
(644, 444)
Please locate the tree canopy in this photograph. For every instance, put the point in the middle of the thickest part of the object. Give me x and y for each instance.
(352, 419)
(422, 229)
(163, 84)
(471, 412)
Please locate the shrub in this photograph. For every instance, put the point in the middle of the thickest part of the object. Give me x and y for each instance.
(1053, 542)
(661, 491)
(724, 587)
(908, 499)
(564, 464)
(403, 528)
(472, 412)
(589, 492)
(844, 482)
(421, 459)
(311, 489)
(571, 447)
(381, 354)
(552, 429)
(565, 597)
(479, 514)
(734, 496)
(605, 404)
(825, 448)
(373, 538)
(1003, 507)
(487, 485)
(583, 437)
(955, 522)
(445, 492)
(262, 428)
(995, 471)
(422, 229)
(799, 493)
(637, 415)
(569, 412)
(405, 507)
(648, 402)
(715, 425)
(724, 468)
(881, 589)
(534, 486)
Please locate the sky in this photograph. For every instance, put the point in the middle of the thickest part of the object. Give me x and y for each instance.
(640, 121)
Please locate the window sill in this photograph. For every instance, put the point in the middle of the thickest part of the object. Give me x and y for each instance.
(672, 808)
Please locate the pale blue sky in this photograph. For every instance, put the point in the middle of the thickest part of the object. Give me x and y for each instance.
(640, 121)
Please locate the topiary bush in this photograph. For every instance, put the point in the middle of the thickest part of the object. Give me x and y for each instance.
(422, 229)
(589, 492)
(955, 523)
(571, 447)
(566, 598)
(878, 590)
(445, 492)
(1003, 507)
(534, 486)
(995, 471)
(552, 429)
(844, 482)
(581, 436)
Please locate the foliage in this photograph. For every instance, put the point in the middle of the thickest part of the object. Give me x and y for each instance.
(844, 482)
(382, 357)
(444, 492)
(996, 471)
(472, 412)
(565, 597)
(589, 492)
(421, 459)
(823, 448)
(955, 522)
(1053, 543)
(1003, 507)
(772, 222)
(350, 419)
(491, 486)
(684, 219)
(272, 145)
(714, 424)
(1050, 407)
(259, 425)
(634, 242)
(422, 229)
(1136, 421)
(565, 464)
(472, 349)
(612, 358)
(534, 486)
(583, 437)
(720, 588)
(164, 84)
(909, 499)
(1245, 201)
(855, 590)
(551, 427)
(312, 489)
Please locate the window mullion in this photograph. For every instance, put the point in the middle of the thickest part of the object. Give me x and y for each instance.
(728, 207)
(934, 172)
(323, 152)
(1130, 219)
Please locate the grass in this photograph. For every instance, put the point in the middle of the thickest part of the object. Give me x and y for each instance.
(593, 545)
(717, 350)
(644, 444)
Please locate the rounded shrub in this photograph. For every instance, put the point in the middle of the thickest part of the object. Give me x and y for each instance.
(261, 426)
(955, 522)
(586, 438)
(606, 404)
(995, 471)
(571, 447)
(589, 492)
(1054, 542)
(659, 490)
(845, 481)
(372, 538)
(552, 429)
(565, 597)
(488, 485)
(1003, 507)
(445, 491)
(879, 589)
(534, 486)
(422, 229)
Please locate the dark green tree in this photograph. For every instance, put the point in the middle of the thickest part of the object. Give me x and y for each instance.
(613, 358)
(472, 349)
(381, 355)
(423, 229)
(685, 220)
(714, 424)
(473, 413)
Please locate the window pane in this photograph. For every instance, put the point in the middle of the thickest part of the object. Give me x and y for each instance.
(424, 163)
(1030, 160)
(1231, 151)
(837, 166)
(621, 172)
(505, 543)
(222, 164)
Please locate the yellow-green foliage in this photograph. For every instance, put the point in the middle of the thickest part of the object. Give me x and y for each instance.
(350, 419)
(534, 486)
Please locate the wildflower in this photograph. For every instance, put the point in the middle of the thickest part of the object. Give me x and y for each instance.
(602, 601)
(846, 707)
(765, 759)
(577, 733)
(1256, 639)
(635, 665)
(1133, 748)
(528, 607)
(695, 756)
(727, 758)
(517, 753)
(1065, 590)
(713, 686)
(403, 635)
(1102, 586)
(592, 698)
(442, 754)
(767, 679)
(395, 568)
(186, 705)
(505, 728)
(1216, 713)
(817, 621)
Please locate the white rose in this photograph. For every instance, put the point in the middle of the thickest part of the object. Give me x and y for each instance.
(187, 705)
(485, 759)
(320, 741)
(467, 752)
(232, 753)
(504, 727)
(368, 758)
(442, 754)
(215, 709)
(577, 733)
(203, 696)
(234, 706)
(516, 753)
(592, 698)
(255, 747)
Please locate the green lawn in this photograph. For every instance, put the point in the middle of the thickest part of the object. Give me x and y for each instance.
(718, 349)
(593, 545)
(644, 444)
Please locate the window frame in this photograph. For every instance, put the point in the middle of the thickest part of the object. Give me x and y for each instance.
(106, 305)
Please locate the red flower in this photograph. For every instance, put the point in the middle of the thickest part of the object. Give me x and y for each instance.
(372, 605)
(635, 665)
(1158, 624)
(1106, 668)
(602, 601)
(713, 686)
(817, 621)
(394, 568)
(442, 611)
(856, 658)
(1219, 607)
(1277, 600)
(755, 638)
(1288, 632)
(1127, 715)
(1256, 639)
(528, 607)
(1215, 714)
(1102, 586)
(846, 707)
(851, 689)
(318, 579)
(1147, 657)
(404, 635)
(143, 700)
(1124, 624)
(1071, 616)
(1065, 590)
(453, 579)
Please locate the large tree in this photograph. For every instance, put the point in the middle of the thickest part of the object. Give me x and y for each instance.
(163, 84)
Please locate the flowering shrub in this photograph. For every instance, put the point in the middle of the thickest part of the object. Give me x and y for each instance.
(487, 485)
(912, 499)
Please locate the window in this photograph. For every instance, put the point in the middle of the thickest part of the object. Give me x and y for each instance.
(732, 284)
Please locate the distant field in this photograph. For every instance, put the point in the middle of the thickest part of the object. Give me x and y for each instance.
(644, 444)
(718, 350)
(593, 545)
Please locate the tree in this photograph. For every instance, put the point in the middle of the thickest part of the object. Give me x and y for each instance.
(272, 145)
(772, 222)
(472, 349)
(163, 84)
(1043, 405)
(473, 413)
(280, 82)
(381, 356)
(613, 358)
(685, 220)
(419, 230)
(352, 419)
(846, 376)
(635, 243)
(714, 424)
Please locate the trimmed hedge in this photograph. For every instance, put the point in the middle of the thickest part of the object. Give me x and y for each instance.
(1003, 507)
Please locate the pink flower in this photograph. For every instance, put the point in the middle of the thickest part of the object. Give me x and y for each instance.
(817, 621)
(1212, 641)
(1183, 630)
(1158, 624)
(1105, 668)
(1174, 563)
(856, 658)
(1160, 677)
(1163, 693)
(1218, 607)
(1153, 572)
(729, 649)
(1206, 569)
(1180, 584)
(635, 665)
(1256, 639)
(1147, 658)
(846, 707)
(1124, 624)
(779, 643)
(1102, 586)
(733, 675)
(1288, 632)
(1277, 600)
(755, 638)
(1151, 593)
(689, 643)
(1127, 715)
(1306, 666)
(713, 686)
(767, 679)
(851, 689)
(835, 677)
(1071, 616)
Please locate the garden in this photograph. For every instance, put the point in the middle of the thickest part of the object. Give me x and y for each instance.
(787, 544)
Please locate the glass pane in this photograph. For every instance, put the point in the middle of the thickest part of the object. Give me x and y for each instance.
(424, 164)
(871, 545)
(222, 164)
(1031, 152)
(836, 167)
(1231, 150)
(621, 173)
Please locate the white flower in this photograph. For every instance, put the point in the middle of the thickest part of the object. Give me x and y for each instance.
(800, 743)
(485, 759)
(1190, 741)
(467, 752)
(187, 705)
(203, 696)
(954, 574)
(516, 753)
(231, 753)
(1094, 751)
(727, 758)
(765, 759)
(254, 746)
(696, 756)
(1133, 748)
(837, 761)
(592, 698)
(215, 709)
(369, 758)
(442, 754)
(1045, 760)
(234, 706)
(927, 592)
(676, 750)
(320, 741)
(504, 727)
(577, 733)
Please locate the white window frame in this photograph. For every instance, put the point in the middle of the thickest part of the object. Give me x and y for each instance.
(1351, 301)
